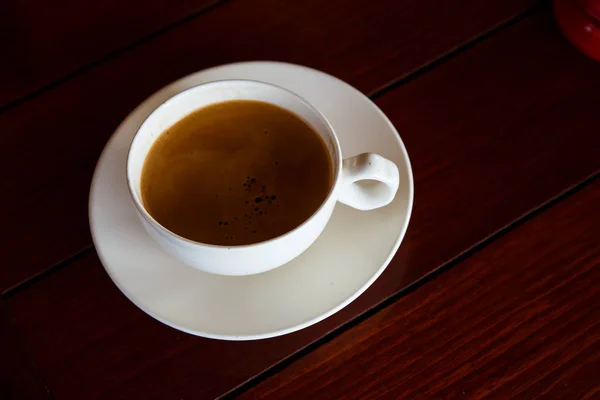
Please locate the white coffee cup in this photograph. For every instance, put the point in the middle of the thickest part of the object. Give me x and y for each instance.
(365, 181)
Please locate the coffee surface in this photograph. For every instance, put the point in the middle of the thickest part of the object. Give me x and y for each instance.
(235, 173)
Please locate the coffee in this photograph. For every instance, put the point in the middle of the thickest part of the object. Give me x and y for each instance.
(236, 173)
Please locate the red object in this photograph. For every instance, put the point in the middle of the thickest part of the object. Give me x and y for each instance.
(580, 22)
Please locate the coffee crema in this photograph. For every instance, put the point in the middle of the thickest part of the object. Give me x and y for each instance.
(236, 173)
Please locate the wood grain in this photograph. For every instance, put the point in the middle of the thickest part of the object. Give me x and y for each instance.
(43, 41)
(489, 133)
(18, 376)
(518, 320)
(59, 135)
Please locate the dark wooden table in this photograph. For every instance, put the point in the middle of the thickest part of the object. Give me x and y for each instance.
(494, 292)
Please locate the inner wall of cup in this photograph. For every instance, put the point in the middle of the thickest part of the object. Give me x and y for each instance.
(192, 99)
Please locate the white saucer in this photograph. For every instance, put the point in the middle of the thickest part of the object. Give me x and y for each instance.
(351, 253)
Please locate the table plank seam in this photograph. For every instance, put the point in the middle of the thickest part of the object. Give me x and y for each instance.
(39, 374)
(55, 268)
(273, 370)
(455, 51)
(107, 57)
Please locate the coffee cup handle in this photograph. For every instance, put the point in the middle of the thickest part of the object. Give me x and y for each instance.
(369, 181)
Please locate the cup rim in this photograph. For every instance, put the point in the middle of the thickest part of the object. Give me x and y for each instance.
(150, 219)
